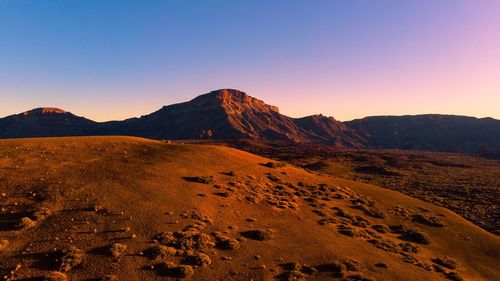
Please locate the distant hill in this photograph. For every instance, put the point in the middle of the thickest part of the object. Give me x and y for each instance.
(430, 132)
(45, 122)
(232, 114)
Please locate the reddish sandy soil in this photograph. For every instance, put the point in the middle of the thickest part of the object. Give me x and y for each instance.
(214, 213)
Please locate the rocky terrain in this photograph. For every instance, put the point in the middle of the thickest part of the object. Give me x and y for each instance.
(121, 208)
(468, 185)
(232, 114)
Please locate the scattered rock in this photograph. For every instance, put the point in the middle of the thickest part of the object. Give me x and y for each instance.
(293, 276)
(385, 244)
(71, 258)
(226, 243)
(309, 270)
(198, 259)
(399, 229)
(381, 265)
(260, 235)
(335, 267)
(110, 278)
(408, 247)
(274, 164)
(351, 265)
(416, 236)
(26, 223)
(446, 261)
(428, 220)
(454, 276)
(162, 251)
(292, 266)
(200, 179)
(222, 194)
(3, 244)
(42, 214)
(326, 221)
(380, 228)
(55, 276)
(117, 249)
(347, 230)
(177, 271)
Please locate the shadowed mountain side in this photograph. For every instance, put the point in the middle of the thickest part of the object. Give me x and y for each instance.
(45, 122)
(431, 132)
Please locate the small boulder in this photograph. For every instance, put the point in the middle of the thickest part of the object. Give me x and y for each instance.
(226, 243)
(177, 271)
(110, 278)
(3, 244)
(446, 261)
(260, 235)
(71, 258)
(162, 251)
(55, 276)
(117, 249)
(198, 259)
(26, 223)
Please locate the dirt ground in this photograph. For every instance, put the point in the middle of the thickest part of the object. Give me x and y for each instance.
(121, 208)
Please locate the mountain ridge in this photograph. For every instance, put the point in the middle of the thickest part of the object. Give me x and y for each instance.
(233, 114)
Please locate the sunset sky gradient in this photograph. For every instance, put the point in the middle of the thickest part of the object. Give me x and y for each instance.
(111, 60)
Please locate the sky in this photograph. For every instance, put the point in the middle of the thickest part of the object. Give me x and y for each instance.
(115, 59)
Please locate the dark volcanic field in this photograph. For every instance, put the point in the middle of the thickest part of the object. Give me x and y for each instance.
(465, 184)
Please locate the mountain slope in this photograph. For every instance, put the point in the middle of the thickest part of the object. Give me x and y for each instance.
(430, 132)
(226, 114)
(218, 211)
(45, 122)
(232, 114)
(327, 129)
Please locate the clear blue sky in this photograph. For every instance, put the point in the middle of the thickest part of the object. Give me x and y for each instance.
(346, 58)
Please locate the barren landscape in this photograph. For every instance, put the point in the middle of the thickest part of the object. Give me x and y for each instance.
(122, 208)
(466, 184)
(249, 140)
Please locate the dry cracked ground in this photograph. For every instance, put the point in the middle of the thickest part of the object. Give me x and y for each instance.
(120, 208)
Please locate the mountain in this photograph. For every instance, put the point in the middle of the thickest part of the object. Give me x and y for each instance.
(45, 122)
(430, 132)
(230, 114)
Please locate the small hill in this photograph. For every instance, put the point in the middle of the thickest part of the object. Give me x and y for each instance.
(98, 208)
(432, 132)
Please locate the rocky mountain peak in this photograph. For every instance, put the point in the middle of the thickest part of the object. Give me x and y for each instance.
(236, 101)
(43, 111)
